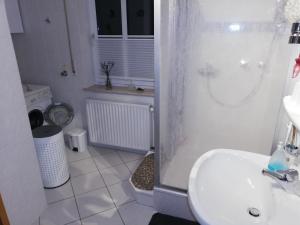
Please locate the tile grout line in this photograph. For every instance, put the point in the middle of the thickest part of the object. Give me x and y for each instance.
(78, 159)
(52, 203)
(129, 162)
(74, 194)
(124, 163)
(140, 161)
(85, 173)
(96, 189)
(75, 199)
(110, 194)
(99, 170)
(92, 157)
(99, 188)
(94, 214)
(108, 166)
(119, 153)
(74, 222)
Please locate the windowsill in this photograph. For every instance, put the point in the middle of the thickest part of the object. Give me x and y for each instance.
(120, 91)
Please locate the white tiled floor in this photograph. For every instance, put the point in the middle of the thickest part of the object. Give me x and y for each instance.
(87, 182)
(121, 193)
(114, 175)
(57, 194)
(98, 193)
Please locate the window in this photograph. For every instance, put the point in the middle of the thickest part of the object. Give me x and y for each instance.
(125, 18)
(109, 17)
(140, 14)
(125, 35)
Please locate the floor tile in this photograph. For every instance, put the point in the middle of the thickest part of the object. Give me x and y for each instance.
(129, 156)
(136, 214)
(109, 217)
(87, 182)
(93, 152)
(115, 174)
(82, 167)
(75, 156)
(133, 165)
(60, 193)
(60, 213)
(94, 202)
(107, 160)
(35, 223)
(78, 222)
(121, 193)
(99, 150)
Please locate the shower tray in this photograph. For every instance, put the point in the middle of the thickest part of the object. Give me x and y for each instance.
(142, 181)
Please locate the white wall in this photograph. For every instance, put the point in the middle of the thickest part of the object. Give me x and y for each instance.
(20, 181)
(42, 51)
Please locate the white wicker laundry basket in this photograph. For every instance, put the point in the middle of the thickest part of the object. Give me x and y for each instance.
(50, 148)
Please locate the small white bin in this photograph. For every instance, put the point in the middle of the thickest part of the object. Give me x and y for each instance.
(50, 148)
(77, 140)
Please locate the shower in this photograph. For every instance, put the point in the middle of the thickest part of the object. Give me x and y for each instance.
(221, 68)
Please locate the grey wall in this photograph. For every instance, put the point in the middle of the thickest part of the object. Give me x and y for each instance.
(42, 51)
(20, 182)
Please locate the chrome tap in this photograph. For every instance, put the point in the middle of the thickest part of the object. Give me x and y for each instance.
(287, 179)
(286, 176)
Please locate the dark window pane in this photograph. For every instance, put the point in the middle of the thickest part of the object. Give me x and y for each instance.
(109, 17)
(140, 17)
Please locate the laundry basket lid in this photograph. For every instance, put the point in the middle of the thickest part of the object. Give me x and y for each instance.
(46, 131)
(60, 114)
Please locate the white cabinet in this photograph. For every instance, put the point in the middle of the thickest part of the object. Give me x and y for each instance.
(14, 16)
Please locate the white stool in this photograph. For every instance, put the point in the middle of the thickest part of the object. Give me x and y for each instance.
(77, 139)
(50, 148)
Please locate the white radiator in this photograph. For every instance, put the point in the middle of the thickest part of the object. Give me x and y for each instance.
(119, 124)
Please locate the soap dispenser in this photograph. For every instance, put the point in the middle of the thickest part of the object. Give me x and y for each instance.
(278, 160)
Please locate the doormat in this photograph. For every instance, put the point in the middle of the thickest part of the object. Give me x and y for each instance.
(161, 219)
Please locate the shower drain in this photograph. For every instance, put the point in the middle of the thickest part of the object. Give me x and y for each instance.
(254, 212)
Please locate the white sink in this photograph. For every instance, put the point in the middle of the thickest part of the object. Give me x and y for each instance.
(224, 184)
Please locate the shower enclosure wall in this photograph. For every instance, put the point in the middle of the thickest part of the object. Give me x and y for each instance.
(221, 70)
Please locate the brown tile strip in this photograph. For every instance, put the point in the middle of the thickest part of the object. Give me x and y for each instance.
(143, 177)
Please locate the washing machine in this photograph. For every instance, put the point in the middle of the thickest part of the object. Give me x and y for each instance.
(38, 98)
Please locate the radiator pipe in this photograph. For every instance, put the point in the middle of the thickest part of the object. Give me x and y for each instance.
(69, 38)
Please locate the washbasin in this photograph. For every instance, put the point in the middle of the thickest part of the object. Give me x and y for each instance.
(227, 187)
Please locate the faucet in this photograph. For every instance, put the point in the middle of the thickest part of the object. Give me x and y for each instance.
(285, 178)
(289, 175)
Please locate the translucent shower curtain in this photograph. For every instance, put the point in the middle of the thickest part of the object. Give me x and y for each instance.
(223, 69)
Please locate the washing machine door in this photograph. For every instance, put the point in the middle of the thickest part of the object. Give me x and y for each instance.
(36, 118)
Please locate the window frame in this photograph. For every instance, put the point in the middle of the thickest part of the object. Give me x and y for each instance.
(117, 80)
(124, 35)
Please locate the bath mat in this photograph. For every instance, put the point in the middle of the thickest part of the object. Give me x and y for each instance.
(143, 177)
(161, 219)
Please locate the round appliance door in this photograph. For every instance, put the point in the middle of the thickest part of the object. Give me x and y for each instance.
(36, 118)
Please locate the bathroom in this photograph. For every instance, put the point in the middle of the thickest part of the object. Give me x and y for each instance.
(164, 93)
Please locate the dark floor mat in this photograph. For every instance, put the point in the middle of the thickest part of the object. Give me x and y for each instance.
(143, 177)
(161, 219)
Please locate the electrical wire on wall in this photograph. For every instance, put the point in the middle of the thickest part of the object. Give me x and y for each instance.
(69, 38)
